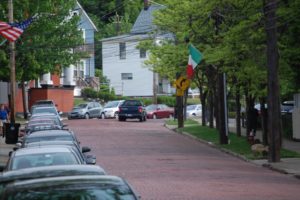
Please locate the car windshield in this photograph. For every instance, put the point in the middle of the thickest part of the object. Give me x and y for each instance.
(49, 138)
(111, 104)
(191, 107)
(151, 107)
(81, 105)
(44, 110)
(43, 159)
(75, 191)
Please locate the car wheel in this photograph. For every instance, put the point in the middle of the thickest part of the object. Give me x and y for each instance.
(116, 115)
(87, 116)
(154, 116)
(102, 116)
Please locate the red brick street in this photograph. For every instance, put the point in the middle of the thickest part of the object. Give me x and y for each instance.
(163, 165)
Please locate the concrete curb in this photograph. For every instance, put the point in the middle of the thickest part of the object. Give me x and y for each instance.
(210, 144)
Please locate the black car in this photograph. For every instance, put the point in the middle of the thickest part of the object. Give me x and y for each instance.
(96, 187)
(132, 109)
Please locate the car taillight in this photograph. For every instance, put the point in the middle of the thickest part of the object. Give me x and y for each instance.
(140, 109)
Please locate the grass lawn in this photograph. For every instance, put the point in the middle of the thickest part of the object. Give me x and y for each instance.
(238, 145)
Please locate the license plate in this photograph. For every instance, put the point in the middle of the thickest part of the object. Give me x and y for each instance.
(129, 115)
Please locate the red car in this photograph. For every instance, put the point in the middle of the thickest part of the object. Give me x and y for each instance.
(156, 111)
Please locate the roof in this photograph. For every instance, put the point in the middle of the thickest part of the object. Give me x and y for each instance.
(144, 22)
(86, 15)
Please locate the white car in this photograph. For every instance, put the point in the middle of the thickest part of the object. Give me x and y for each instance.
(194, 110)
(111, 109)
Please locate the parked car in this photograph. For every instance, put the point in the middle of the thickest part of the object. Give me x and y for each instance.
(71, 187)
(287, 106)
(81, 151)
(194, 110)
(111, 108)
(42, 156)
(132, 109)
(86, 111)
(156, 111)
(45, 102)
(50, 135)
(43, 109)
(49, 171)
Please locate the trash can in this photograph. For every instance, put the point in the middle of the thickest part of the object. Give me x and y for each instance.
(11, 132)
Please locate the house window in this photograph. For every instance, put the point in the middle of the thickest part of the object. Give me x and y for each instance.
(122, 46)
(142, 53)
(126, 76)
(79, 70)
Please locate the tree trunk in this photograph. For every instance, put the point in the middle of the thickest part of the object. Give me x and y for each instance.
(211, 109)
(274, 121)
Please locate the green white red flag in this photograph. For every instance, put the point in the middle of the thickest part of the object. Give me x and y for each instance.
(195, 58)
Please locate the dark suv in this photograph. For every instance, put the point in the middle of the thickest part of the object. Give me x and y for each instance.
(132, 109)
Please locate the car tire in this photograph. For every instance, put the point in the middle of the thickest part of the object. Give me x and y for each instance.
(87, 116)
(122, 119)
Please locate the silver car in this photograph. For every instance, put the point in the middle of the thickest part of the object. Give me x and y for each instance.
(111, 109)
(86, 111)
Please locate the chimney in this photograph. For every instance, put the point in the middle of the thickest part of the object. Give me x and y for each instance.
(146, 4)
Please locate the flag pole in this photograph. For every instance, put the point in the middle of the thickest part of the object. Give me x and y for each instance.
(12, 63)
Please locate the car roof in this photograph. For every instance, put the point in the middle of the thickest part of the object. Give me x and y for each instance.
(51, 133)
(51, 142)
(51, 171)
(42, 149)
(52, 181)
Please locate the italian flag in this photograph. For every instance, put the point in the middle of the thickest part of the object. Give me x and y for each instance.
(195, 57)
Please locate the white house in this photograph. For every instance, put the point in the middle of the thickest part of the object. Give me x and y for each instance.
(123, 62)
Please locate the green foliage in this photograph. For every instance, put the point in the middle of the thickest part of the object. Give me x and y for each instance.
(89, 93)
(168, 100)
(45, 45)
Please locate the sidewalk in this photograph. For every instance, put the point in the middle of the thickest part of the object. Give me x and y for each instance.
(289, 166)
(4, 151)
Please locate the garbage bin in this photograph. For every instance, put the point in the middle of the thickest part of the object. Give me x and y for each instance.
(11, 132)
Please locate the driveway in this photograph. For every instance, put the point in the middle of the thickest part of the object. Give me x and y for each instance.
(163, 165)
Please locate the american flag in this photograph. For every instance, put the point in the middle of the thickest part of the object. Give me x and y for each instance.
(13, 31)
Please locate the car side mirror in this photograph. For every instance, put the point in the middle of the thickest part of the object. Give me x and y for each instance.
(90, 159)
(85, 149)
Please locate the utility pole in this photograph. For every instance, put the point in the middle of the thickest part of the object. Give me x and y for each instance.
(274, 122)
(12, 63)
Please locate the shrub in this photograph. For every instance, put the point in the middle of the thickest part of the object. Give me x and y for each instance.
(168, 100)
(89, 93)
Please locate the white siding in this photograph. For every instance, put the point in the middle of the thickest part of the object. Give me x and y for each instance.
(142, 81)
